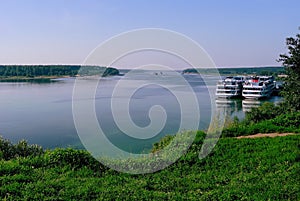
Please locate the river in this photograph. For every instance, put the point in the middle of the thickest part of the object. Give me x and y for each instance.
(41, 113)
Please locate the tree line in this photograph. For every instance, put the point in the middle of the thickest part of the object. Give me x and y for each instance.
(241, 71)
(54, 70)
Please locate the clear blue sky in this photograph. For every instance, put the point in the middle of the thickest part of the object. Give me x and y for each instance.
(233, 32)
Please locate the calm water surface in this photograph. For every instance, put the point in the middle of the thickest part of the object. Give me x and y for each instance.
(42, 113)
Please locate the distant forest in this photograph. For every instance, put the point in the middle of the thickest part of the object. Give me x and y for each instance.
(275, 71)
(54, 70)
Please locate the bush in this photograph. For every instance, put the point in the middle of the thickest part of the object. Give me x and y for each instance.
(21, 149)
(287, 120)
(75, 158)
(165, 141)
(266, 111)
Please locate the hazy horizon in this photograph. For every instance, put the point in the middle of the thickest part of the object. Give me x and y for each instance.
(66, 64)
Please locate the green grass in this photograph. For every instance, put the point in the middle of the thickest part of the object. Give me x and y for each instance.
(283, 123)
(237, 169)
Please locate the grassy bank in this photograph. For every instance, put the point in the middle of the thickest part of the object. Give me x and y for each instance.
(284, 123)
(268, 118)
(237, 169)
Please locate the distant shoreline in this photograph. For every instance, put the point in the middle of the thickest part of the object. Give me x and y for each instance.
(28, 79)
(267, 70)
(26, 73)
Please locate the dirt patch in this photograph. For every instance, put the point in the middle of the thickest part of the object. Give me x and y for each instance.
(266, 135)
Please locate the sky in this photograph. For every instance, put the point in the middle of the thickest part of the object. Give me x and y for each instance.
(234, 33)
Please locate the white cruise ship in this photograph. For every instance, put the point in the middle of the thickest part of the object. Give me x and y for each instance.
(257, 87)
(230, 87)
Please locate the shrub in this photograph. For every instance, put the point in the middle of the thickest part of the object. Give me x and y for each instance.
(21, 149)
(287, 120)
(162, 143)
(75, 158)
(266, 111)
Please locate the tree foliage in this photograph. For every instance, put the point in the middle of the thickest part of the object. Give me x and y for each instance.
(54, 70)
(266, 111)
(291, 62)
(110, 71)
(21, 149)
(275, 71)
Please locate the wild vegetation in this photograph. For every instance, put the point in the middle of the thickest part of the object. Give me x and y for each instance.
(21, 149)
(264, 120)
(237, 169)
(291, 62)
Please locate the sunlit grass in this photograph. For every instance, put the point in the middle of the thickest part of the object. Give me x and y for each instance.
(237, 169)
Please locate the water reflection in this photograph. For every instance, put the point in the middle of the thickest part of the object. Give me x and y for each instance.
(248, 104)
(231, 106)
(238, 107)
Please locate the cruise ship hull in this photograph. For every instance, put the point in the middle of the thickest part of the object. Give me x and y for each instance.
(230, 87)
(258, 88)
